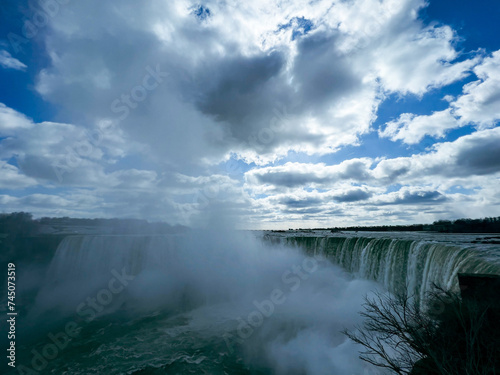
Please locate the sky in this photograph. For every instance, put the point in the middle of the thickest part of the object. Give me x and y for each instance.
(271, 114)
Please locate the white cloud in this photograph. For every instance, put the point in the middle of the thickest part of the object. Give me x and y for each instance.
(230, 72)
(476, 154)
(11, 178)
(480, 102)
(411, 128)
(72, 157)
(12, 121)
(478, 105)
(411, 196)
(253, 83)
(9, 62)
(61, 154)
(358, 187)
(319, 175)
(414, 60)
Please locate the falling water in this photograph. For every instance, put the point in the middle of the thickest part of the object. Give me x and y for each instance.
(200, 303)
(412, 264)
(208, 302)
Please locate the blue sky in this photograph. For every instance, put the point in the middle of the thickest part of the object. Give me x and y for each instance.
(272, 114)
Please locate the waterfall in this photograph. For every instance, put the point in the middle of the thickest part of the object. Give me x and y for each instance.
(92, 256)
(208, 295)
(398, 263)
(84, 265)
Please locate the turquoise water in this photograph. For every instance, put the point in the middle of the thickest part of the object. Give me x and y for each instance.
(159, 343)
(224, 303)
(206, 304)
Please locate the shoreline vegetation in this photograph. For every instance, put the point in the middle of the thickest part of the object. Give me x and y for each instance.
(23, 236)
(23, 224)
(484, 225)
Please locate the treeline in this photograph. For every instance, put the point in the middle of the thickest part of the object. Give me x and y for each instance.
(22, 224)
(113, 226)
(485, 225)
(22, 237)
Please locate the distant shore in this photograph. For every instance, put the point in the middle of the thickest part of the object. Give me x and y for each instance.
(485, 225)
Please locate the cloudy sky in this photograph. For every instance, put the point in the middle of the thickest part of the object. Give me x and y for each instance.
(275, 113)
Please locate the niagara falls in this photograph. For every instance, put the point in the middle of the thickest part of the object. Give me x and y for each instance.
(219, 300)
(265, 187)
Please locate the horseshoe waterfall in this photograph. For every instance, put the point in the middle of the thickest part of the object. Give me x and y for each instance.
(218, 302)
(414, 264)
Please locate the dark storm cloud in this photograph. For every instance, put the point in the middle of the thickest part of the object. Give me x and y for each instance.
(321, 71)
(356, 170)
(300, 203)
(476, 154)
(290, 179)
(293, 175)
(352, 196)
(481, 157)
(237, 85)
(241, 93)
(419, 197)
(337, 211)
(41, 168)
(303, 211)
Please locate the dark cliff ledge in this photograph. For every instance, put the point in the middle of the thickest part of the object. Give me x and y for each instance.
(481, 288)
(476, 315)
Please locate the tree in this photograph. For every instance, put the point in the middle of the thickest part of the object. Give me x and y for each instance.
(451, 336)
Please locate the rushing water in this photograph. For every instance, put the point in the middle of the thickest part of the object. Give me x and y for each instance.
(226, 303)
(409, 261)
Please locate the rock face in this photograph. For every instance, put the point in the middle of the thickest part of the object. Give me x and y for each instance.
(481, 288)
(480, 297)
(423, 367)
